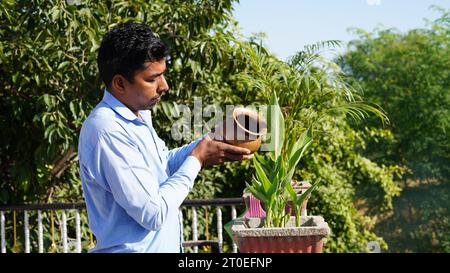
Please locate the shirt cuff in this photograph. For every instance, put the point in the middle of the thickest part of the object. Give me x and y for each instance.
(191, 166)
(192, 145)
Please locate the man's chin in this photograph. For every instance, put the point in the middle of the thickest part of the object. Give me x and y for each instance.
(153, 102)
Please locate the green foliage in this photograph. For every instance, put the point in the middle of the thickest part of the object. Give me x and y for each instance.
(298, 201)
(49, 84)
(419, 221)
(314, 93)
(335, 159)
(409, 75)
(273, 175)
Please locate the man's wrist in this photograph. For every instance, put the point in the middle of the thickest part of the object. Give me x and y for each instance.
(194, 154)
(194, 163)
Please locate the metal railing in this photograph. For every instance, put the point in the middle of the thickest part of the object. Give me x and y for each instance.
(39, 209)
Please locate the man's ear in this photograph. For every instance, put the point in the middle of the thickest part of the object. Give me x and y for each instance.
(118, 83)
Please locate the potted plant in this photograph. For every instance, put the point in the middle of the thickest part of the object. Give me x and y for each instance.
(275, 229)
(311, 90)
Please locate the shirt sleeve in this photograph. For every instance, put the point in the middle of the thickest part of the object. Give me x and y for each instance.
(135, 186)
(177, 156)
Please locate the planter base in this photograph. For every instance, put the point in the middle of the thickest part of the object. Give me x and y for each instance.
(307, 244)
(251, 237)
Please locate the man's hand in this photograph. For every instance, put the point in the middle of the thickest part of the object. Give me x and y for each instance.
(211, 152)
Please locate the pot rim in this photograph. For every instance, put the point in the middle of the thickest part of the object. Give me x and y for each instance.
(252, 114)
(241, 228)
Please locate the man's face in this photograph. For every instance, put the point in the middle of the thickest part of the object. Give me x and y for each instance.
(148, 86)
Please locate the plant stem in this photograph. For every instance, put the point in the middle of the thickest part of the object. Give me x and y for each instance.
(297, 217)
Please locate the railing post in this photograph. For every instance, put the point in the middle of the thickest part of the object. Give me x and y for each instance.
(65, 243)
(194, 227)
(78, 231)
(180, 216)
(40, 233)
(2, 231)
(219, 228)
(233, 216)
(27, 231)
(64, 231)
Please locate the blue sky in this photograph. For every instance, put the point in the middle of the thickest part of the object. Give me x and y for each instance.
(291, 24)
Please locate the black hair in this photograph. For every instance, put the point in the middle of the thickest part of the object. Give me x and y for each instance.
(125, 48)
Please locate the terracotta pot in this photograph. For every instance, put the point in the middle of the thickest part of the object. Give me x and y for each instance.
(244, 128)
(251, 237)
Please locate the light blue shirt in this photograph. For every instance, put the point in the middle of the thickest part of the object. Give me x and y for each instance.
(133, 185)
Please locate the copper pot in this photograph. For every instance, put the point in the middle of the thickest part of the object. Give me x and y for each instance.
(244, 128)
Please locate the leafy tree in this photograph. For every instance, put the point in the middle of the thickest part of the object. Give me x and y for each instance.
(49, 84)
(408, 74)
(314, 93)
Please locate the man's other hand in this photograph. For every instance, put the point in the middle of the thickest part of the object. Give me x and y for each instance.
(211, 152)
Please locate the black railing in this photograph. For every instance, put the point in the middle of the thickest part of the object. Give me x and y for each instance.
(215, 245)
(235, 201)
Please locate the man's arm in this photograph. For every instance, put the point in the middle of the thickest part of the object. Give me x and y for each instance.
(208, 152)
(134, 185)
(176, 157)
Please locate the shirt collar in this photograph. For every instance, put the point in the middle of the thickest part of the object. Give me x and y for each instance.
(118, 106)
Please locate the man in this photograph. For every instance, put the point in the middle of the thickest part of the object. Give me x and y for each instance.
(133, 185)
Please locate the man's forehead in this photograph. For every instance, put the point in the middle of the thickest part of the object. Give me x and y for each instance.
(151, 68)
(154, 65)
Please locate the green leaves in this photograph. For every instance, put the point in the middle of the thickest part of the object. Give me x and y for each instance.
(407, 74)
(275, 122)
(275, 172)
(261, 176)
(54, 59)
(298, 200)
(62, 65)
(360, 111)
(299, 148)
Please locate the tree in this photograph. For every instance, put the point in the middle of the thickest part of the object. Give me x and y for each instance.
(49, 83)
(408, 74)
(314, 93)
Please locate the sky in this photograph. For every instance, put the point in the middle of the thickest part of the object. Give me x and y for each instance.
(289, 25)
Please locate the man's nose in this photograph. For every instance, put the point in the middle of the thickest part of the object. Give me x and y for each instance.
(163, 87)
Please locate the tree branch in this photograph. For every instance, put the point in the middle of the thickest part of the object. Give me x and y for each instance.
(62, 163)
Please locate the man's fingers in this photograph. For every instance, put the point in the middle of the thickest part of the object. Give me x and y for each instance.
(235, 150)
(233, 157)
(237, 157)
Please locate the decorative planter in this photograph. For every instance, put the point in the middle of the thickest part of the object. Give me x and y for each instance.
(249, 233)
(251, 237)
